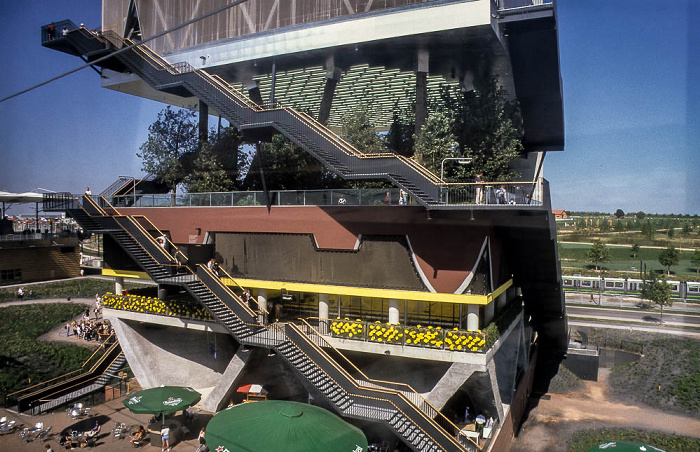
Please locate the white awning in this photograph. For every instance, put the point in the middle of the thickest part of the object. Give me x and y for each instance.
(20, 197)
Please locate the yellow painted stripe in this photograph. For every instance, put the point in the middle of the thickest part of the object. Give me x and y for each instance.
(410, 295)
(125, 273)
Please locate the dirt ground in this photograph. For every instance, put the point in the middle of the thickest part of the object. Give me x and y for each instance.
(558, 416)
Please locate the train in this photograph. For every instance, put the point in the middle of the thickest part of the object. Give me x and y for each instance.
(627, 286)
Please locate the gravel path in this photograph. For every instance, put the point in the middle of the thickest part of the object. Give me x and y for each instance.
(553, 421)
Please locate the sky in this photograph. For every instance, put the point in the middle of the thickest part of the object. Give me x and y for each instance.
(630, 72)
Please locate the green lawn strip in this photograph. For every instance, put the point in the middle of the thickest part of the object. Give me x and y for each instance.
(666, 375)
(630, 308)
(583, 440)
(24, 360)
(630, 323)
(77, 287)
(573, 256)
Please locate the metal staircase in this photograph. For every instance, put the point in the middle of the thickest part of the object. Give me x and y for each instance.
(41, 398)
(398, 406)
(326, 146)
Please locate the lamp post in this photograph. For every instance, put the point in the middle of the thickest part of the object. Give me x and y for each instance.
(461, 161)
(133, 179)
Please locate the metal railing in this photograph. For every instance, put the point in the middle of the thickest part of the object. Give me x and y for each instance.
(511, 4)
(520, 194)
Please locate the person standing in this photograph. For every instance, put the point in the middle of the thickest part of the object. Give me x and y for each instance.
(48, 447)
(202, 441)
(479, 188)
(51, 31)
(87, 191)
(164, 438)
(20, 293)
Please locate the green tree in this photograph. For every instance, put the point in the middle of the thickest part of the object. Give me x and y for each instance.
(671, 232)
(598, 253)
(695, 260)
(619, 227)
(635, 250)
(172, 141)
(619, 213)
(687, 229)
(604, 226)
(487, 127)
(288, 167)
(219, 164)
(357, 129)
(669, 257)
(640, 215)
(658, 292)
(648, 230)
(400, 137)
(436, 142)
(581, 224)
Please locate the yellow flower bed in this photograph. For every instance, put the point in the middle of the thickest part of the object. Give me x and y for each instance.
(415, 336)
(348, 329)
(388, 333)
(152, 305)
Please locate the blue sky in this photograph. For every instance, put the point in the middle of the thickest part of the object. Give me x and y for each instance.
(630, 72)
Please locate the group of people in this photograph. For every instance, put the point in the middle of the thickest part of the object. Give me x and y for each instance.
(88, 330)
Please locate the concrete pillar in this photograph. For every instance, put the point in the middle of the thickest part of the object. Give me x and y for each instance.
(472, 317)
(489, 312)
(162, 292)
(119, 285)
(421, 89)
(262, 302)
(203, 122)
(332, 78)
(394, 312)
(323, 313)
(502, 300)
(518, 291)
(510, 293)
(254, 91)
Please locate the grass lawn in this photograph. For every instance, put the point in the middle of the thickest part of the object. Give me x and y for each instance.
(666, 377)
(621, 263)
(23, 359)
(77, 287)
(582, 440)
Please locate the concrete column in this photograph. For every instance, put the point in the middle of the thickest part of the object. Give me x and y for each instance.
(262, 302)
(332, 78)
(510, 293)
(162, 292)
(423, 57)
(394, 312)
(119, 285)
(254, 91)
(518, 291)
(323, 313)
(203, 122)
(502, 300)
(472, 317)
(489, 311)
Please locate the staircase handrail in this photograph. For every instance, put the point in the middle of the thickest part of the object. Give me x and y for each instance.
(111, 210)
(228, 276)
(407, 391)
(132, 220)
(229, 292)
(89, 199)
(176, 251)
(68, 374)
(89, 375)
(379, 390)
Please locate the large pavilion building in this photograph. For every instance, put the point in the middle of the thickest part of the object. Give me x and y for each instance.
(409, 311)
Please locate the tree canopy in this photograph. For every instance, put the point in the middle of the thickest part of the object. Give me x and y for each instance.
(669, 257)
(695, 260)
(598, 253)
(172, 139)
(658, 291)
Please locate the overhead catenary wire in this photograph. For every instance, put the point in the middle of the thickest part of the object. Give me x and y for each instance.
(124, 49)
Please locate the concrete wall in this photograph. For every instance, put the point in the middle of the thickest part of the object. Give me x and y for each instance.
(39, 260)
(583, 363)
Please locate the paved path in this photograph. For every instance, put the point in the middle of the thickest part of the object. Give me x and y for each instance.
(553, 421)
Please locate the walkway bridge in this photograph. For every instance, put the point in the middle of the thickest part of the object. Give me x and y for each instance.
(321, 368)
(256, 120)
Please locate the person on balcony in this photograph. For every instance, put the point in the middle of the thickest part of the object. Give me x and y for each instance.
(51, 31)
(501, 195)
(479, 188)
(87, 191)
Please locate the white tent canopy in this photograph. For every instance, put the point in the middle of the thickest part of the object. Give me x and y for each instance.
(26, 197)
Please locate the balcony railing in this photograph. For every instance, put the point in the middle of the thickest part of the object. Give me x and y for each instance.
(503, 195)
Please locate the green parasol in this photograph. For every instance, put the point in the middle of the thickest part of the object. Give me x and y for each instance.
(623, 446)
(281, 425)
(162, 400)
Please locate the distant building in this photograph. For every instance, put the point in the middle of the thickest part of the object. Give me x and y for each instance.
(560, 214)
